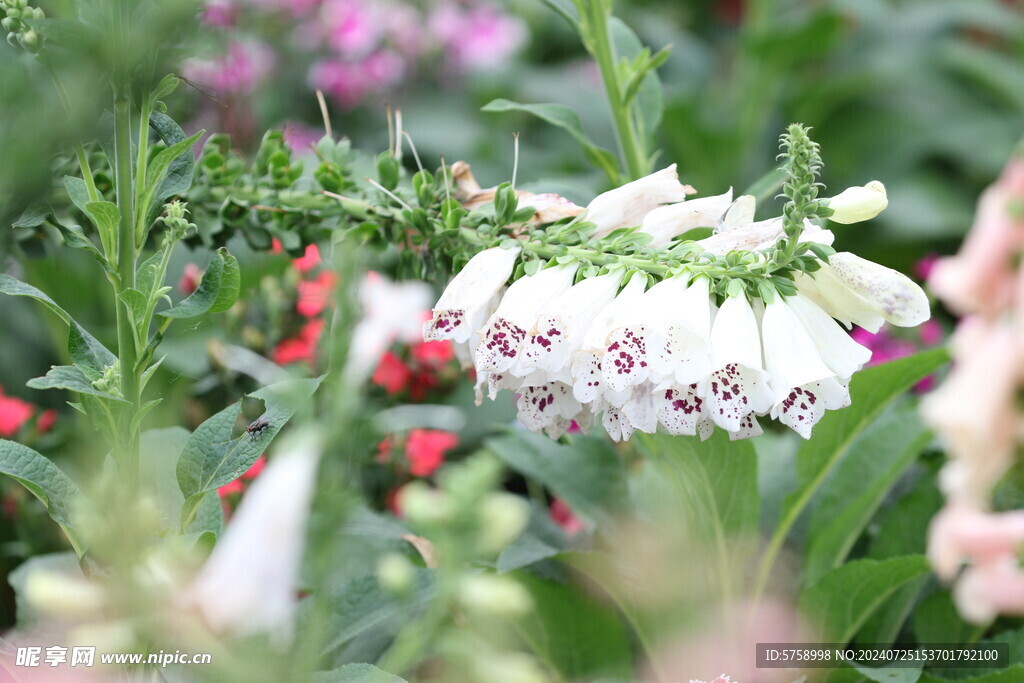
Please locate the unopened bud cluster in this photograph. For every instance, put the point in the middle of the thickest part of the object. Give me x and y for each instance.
(17, 14)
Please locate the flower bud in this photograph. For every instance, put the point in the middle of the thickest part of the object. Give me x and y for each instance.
(856, 204)
(497, 596)
(503, 517)
(424, 505)
(61, 595)
(395, 573)
(30, 39)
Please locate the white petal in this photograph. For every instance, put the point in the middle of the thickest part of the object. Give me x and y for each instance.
(640, 410)
(739, 385)
(749, 428)
(249, 583)
(560, 326)
(680, 348)
(541, 406)
(740, 213)
(789, 352)
(626, 206)
(680, 409)
(836, 347)
(667, 222)
(505, 331)
(898, 298)
(456, 315)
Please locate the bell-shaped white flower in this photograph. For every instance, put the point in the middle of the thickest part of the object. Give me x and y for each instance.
(668, 222)
(680, 409)
(855, 290)
(804, 386)
(738, 386)
(505, 331)
(679, 349)
(856, 204)
(626, 206)
(586, 362)
(837, 349)
(760, 235)
(562, 323)
(468, 298)
(549, 407)
(250, 581)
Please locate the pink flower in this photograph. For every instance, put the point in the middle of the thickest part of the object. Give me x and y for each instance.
(230, 488)
(314, 294)
(564, 517)
(300, 137)
(425, 449)
(349, 83)
(433, 353)
(239, 71)
(980, 278)
(219, 13)
(352, 29)
(191, 276)
(477, 38)
(45, 421)
(721, 679)
(13, 414)
(309, 260)
(391, 374)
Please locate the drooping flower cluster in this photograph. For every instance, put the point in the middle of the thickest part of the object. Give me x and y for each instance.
(977, 410)
(654, 344)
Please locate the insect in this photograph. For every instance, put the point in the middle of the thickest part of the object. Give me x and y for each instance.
(257, 427)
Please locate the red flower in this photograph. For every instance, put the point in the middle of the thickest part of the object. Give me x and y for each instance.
(309, 260)
(384, 449)
(300, 348)
(425, 449)
(564, 517)
(391, 373)
(190, 279)
(256, 468)
(422, 382)
(45, 421)
(13, 413)
(275, 246)
(433, 353)
(314, 294)
(230, 488)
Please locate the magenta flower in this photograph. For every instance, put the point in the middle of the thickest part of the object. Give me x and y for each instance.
(245, 65)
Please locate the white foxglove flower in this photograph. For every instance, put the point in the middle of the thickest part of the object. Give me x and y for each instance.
(760, 235)
(856, 204)
(505, 331)
(560, 326)
(667, 222)
(679, 350)
(549, 407)
(837, 349)
(586, 362)
(250, 582)
(855, 290)
(804, 386)
(739, 385)
(680, 409)
(617, 425)
(626, 206)
(466, 301)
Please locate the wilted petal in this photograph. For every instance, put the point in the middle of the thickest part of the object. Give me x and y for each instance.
(668, 222)
(463, 307)
(505, 331)
(626, 206)
(250, 582)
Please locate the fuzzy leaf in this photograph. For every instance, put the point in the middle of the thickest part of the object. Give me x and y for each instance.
(220, 286)
(71, 378)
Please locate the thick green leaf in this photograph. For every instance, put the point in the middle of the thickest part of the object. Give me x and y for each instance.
(69, 377)
(587, 474)
(46, 482)
(568, 120)
(356, 673)
(14, 287)
(104, 215)
(717, 478)
(220, 286)
(937, 621)
(573, 633)
(902, 528)
(840, 603)
(33, 216)
(1012, 637)
(78, 191)
(179, 172)
(884, 626)
(870, 391)
(873, 464)
(137, 303)
(212, 457)
(361, 604)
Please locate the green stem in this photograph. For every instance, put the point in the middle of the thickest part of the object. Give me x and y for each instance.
(142, 161)
(597, 38)
(126, 343)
